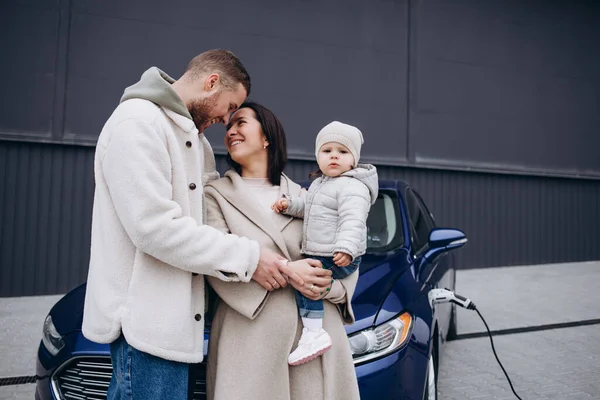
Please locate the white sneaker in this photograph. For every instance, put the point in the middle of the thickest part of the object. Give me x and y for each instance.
(311, 345)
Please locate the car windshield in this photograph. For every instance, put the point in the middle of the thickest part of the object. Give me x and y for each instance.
(384, 224)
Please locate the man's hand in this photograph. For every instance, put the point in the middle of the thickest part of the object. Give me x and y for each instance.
(316, 279)
(280, 205)
(342, 259)
(271, 270)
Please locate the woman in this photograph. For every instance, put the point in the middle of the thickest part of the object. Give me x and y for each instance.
(254, 330)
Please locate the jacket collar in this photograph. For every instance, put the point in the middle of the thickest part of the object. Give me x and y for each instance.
(186, 124)
(234, 191)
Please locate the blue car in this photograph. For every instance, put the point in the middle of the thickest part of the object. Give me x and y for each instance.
(396, 341)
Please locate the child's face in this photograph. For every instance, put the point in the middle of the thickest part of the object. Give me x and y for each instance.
(334, 159)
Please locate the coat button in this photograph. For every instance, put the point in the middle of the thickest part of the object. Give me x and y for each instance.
(192, 186)
(194, 274)
(198, 317)
(188, 143)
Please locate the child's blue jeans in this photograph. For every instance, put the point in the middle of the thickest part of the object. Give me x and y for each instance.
(314, 308)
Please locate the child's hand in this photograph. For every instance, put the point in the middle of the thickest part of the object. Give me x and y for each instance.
(280, 205)
(342, 259)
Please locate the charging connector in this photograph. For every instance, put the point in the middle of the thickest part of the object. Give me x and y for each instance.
(438, 296)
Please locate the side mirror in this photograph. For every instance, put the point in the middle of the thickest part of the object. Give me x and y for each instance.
(442, 240)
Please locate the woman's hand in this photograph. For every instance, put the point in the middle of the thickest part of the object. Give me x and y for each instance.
(272, 271)
(316, 279)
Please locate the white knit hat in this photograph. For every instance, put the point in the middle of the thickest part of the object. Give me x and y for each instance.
(345, 134)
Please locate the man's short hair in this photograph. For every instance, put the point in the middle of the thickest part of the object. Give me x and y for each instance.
(225, 63)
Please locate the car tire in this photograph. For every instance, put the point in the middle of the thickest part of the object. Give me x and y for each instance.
(452, 326)
(431, 383)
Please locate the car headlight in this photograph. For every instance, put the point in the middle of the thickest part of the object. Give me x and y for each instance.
(52, 340)
(381, 340)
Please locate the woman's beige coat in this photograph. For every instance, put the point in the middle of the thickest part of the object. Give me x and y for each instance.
(254, 330)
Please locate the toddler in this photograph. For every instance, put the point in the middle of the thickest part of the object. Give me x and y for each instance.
(335, 211)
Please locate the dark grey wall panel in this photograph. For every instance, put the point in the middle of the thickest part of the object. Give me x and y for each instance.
(506, 86)
(347, 63)
(28, 43)
(475, 85)
(45, 217)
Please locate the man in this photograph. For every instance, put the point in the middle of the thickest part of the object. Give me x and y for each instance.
(150, 250)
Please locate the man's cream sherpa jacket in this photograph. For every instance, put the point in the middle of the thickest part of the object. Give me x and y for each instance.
(150, 248)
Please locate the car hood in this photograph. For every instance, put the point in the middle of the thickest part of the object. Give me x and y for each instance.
(378, 275)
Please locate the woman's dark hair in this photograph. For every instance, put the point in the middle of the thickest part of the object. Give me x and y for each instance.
(277, 149)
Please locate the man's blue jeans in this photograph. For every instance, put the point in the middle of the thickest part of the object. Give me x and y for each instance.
(314, 308)
(138, 375)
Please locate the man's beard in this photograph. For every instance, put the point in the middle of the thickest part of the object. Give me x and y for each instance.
(200, 110)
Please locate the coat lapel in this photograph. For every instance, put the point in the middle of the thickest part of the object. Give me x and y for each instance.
(234, 190)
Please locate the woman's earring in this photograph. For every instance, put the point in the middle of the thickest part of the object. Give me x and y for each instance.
(265, 146)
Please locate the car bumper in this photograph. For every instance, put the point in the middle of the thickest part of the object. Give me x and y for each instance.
(46, 364)
(43, 389)
(401, 375)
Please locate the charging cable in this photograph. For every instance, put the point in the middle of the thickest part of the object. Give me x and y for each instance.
(437, 296)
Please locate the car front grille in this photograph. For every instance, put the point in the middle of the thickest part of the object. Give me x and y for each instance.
(87, 378)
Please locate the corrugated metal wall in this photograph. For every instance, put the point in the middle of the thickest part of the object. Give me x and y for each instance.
(46, 194)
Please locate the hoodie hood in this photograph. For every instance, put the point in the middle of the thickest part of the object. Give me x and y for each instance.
(155, 86)
(367, 174)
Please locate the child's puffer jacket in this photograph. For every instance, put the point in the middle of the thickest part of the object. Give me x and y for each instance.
(335, 212)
